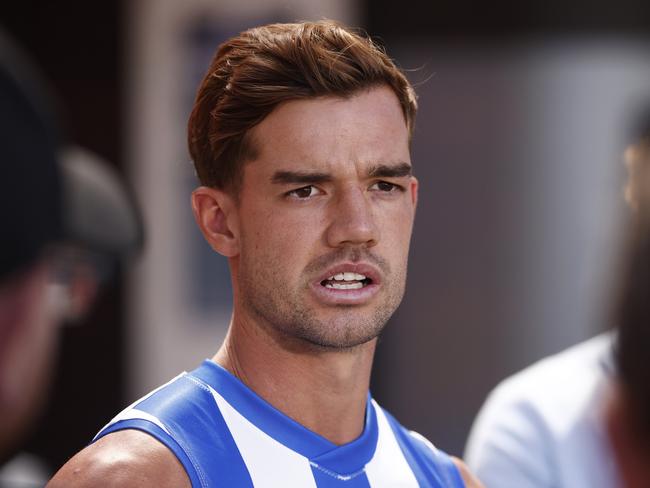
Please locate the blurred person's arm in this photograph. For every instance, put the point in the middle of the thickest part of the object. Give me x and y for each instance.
(508, 447)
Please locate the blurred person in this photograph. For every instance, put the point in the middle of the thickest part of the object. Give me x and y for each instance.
(628, 411)
(300, 136)
(65, 216)
(544, 426)
(637, 162)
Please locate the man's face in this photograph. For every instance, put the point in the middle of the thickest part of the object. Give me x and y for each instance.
(325, 218)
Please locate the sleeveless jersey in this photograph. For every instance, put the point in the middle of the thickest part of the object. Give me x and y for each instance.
(225, 435)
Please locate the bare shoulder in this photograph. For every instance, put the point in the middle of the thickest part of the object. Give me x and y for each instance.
(126, 458)
(470, 480)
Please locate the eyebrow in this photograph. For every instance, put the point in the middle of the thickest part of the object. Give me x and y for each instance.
(390, 170)
(284, 177)
(304, 177)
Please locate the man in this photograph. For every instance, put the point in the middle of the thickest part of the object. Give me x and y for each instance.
(300, 135)
(628, 412)
(544, 426)
(28, 226)
(64, 217)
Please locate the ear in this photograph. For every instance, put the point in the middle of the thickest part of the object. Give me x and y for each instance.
(82, 291)
(215, 213)
(413, 187)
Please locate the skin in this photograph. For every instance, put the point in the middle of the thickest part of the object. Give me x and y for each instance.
(636, 158)
(284, 336)
(330, 190)
(27, 349)
(630, 447)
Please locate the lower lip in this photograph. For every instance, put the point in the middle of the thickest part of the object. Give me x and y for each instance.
(333, 296)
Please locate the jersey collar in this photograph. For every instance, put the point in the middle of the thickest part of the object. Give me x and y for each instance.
(344, 459)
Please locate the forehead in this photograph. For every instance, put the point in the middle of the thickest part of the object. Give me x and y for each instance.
(332, 133)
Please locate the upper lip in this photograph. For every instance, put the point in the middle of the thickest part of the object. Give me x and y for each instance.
(365, 269)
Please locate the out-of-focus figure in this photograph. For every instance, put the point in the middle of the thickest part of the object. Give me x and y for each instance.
(544, 426)
(65, 218)
(628, 413)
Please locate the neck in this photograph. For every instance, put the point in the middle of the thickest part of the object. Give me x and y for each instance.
(325, 390)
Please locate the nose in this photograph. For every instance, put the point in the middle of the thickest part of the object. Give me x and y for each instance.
(352, 221)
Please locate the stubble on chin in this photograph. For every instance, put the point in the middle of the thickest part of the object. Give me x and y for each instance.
(294, 324)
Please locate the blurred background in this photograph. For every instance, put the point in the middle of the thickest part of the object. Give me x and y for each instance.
(523, 112)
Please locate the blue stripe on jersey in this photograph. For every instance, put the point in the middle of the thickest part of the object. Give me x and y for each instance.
(260, 412)
(433, 469)
(188, 411)
(350, 458)
(196, 431)
(329, 480)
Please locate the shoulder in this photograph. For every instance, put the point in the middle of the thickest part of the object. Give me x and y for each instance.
(524, 420)
(470, 480)
(571, 376)
(127, 458)
(446, 463)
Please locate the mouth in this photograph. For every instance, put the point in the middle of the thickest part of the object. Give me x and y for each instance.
(348, 284)
(346, 281)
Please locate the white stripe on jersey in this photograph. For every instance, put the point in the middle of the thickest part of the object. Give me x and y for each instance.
(269, 463)
(132, 413)
(388, 467)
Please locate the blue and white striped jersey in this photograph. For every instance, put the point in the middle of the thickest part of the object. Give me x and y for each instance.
(226, 435)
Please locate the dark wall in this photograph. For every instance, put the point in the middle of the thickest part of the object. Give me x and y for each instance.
(77, 46)
(509, 19)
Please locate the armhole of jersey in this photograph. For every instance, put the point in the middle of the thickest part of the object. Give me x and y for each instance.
(161, 436)
(447, 469)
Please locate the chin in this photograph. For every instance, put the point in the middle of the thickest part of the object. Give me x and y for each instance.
(338, 343)
(349, 331)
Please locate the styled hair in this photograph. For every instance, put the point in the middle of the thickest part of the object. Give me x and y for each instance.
(257, 70)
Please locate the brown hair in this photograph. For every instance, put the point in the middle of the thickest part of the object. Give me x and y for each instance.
(255, 71)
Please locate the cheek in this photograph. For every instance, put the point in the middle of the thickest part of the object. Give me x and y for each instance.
(281, 241)
(396, 228)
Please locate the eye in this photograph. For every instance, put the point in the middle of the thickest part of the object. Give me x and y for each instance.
(386, 187)
(304, 193)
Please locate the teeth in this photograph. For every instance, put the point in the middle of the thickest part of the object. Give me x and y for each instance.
(344, 286)
(347, 277)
